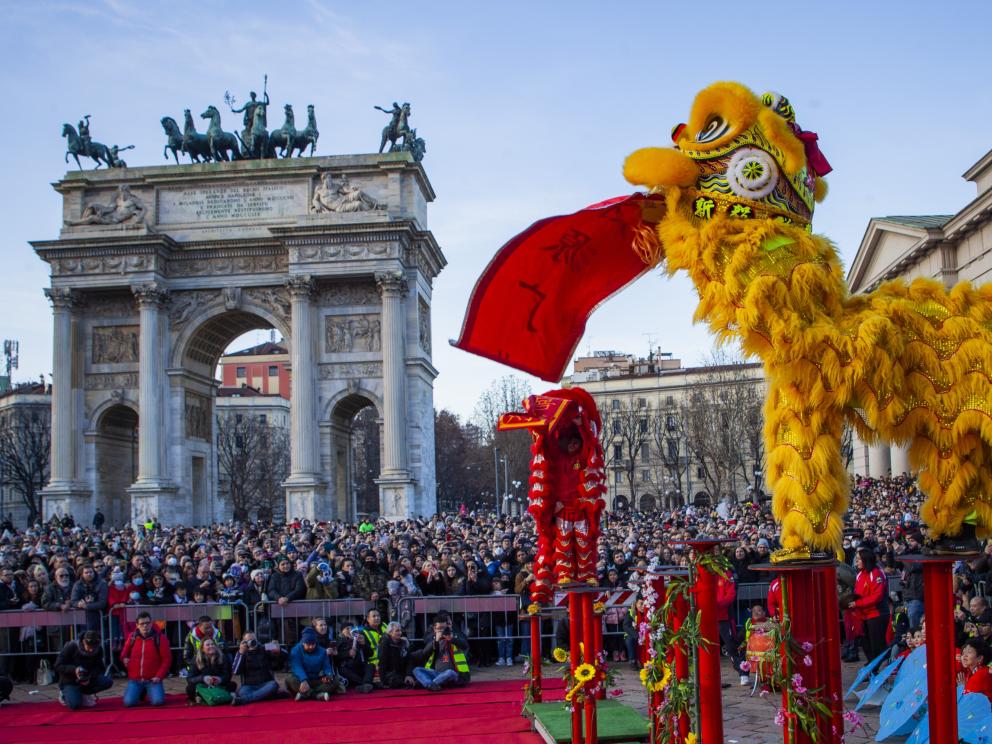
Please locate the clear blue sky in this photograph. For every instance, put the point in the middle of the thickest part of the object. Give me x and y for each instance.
(528, 109)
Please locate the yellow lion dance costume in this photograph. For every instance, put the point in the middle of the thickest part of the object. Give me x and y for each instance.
(904, 364)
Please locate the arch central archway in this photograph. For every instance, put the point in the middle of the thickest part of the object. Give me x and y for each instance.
(232, 446)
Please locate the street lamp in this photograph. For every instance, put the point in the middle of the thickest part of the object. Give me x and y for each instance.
(496, 470)
(516, 485)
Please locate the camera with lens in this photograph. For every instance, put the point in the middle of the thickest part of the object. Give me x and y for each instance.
(252, 644)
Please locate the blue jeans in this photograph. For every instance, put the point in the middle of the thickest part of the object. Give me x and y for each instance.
(254, 693)
(504, 641)
(427, 677)
(73, 694)
(136, 690)
(914, 609)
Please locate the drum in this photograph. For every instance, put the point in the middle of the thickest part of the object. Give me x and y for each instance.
(761, 647)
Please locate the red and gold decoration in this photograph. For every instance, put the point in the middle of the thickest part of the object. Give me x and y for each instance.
(567, 482)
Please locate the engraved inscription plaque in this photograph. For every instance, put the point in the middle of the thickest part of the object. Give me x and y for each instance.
(240, 202)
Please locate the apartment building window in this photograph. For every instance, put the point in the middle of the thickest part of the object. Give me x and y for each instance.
(642, 425)
(671, 423)
(642, 402)
(617, 451)
(241, 372)
(645, 451)
(273, 370)
(618, 477)
(700, 473)
(615, 404)
(645, 476)
(616, 427)
(673, 449)
(262, 418)
(670, 400)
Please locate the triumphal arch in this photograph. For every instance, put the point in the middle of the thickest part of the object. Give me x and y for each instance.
(157, 269)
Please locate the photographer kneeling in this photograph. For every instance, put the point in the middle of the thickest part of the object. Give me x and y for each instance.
(444, 662)
(252, 663)
(80, 669)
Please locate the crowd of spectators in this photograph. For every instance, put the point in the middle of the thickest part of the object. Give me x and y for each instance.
(63, 565)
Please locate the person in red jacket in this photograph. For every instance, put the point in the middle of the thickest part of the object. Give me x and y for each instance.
(976, 676)
(147, 656)
(871, 589)
(726, 593)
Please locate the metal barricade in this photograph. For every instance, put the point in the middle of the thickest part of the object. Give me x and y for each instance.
(28, 636)
(747, 595)
(284, 620)
(176, 621)
(490, 622)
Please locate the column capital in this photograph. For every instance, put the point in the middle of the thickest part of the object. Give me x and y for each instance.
(150, 294)
(391, 283)
(301, 286)
(62, 298)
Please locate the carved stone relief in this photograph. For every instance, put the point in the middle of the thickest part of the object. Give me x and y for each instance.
(111, 381)
(349, 294)
(227, 265)
(424, 321)
(115, 344)
(276, 300)
(102, 264)
(198, 416)
(349, 371)
(337, 251)
(119, 307)
(187, 303)
(352, 333)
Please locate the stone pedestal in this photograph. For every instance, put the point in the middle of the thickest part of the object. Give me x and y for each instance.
(306, 498)
(878, 460)
(60, 499)
(156, 500)
(396, 498)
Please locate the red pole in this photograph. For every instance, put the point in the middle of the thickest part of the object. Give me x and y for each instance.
(574, 637)
(535, 657)
(799, 605)
(830, 677)
(710, 700)
(589, 639)
(938, 598)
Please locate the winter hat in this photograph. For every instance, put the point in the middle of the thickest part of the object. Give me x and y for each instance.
(309, 635)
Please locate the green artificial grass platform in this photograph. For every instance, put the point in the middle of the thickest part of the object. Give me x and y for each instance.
(615, 722)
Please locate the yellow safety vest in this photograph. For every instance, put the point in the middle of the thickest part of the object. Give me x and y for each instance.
(372, 637)
(461, 663)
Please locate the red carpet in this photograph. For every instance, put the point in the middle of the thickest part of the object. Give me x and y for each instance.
(481, 712)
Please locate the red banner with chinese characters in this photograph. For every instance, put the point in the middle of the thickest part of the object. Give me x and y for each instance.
(529, 308)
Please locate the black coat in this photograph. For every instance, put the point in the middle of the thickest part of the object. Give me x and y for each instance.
(253, 667)
(393, 661)
(289, 585)
(71, 657)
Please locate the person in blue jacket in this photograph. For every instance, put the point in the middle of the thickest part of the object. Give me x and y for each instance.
(310, 672)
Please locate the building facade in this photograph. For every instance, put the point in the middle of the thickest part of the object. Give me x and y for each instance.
(949, 248)
(25, 438)
(264, 367)
(674, 435)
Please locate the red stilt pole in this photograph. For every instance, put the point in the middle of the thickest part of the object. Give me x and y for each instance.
(710, 700)
(535, 658)
(589, 641)
(574, 656)
(830, 677)
(799, 605)
(938, 598)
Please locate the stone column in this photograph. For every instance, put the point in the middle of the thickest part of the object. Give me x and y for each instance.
(878, 460)
(151, 491)
(396, 489)
(899, 459)
(64, 494)
(394, 288)
(151, 298)
(306, 492)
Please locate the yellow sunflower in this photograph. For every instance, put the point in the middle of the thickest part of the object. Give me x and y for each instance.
(533, 608)
(598, 608)
(584, 672)
(560, 655)
(690, 739)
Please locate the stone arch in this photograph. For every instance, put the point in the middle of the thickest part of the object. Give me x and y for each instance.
(648, 503)
(702, 498)
(621, 502)
(351, 460)
(115, 439)
(199, 345)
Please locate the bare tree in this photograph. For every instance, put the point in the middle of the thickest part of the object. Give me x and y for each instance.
(463, 465)
(631, 422)
(253, 460)
(365, 464)
(668, 435)
(723, 425)
(25, 448)
(503, 395)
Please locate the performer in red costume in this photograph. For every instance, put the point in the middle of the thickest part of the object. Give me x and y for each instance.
(567, 482)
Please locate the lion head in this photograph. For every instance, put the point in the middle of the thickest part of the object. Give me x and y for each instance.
(738, 155)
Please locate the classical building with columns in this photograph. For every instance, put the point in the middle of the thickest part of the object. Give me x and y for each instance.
(157, 269)
(950, 248)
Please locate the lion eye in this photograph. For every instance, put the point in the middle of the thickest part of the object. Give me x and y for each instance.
(715, 128)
